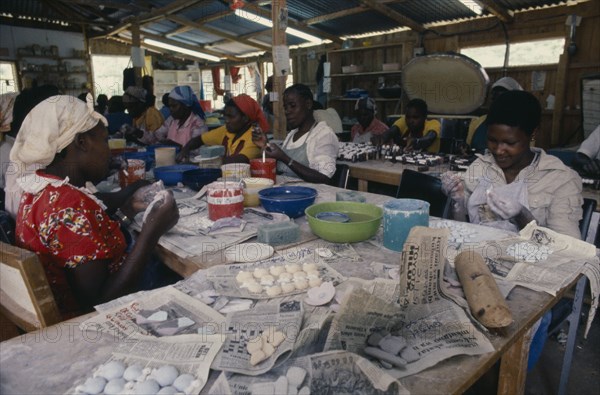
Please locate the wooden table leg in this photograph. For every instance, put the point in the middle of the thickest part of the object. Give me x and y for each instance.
(513, 367)
(363, 185)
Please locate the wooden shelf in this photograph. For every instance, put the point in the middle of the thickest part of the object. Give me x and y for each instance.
(366, 48)
(371, 60)
(356, 98)
(366, 73)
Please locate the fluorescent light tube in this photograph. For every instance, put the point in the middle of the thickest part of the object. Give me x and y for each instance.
(267, 22)
(186, 51)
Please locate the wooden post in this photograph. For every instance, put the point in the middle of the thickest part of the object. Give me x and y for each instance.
(513, 366)
(559, 101)
(88, 64)
(279, 124)
(136, 42)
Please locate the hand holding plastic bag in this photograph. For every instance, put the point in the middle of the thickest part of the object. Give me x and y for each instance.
(505, 206)
(452, 186)
(142, 197)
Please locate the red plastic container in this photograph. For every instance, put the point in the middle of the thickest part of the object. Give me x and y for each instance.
(266, 169)
(225, 199)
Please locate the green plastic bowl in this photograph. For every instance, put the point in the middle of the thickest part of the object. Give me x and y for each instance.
(365, 219)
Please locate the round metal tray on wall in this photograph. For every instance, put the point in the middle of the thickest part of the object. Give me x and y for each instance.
(449, 83)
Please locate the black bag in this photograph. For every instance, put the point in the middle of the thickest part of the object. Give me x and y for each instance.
(128, 78)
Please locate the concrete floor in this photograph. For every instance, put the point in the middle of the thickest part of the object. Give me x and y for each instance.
(584, 379)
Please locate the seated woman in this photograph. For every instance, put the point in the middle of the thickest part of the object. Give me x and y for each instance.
(478, 128)
(512, 183)
(81, 248)
(117, 117)
(367, 125)
(185, 122)
(241, 114)
(587, 158)
(145, 116)
(310, 149)
(414, 131)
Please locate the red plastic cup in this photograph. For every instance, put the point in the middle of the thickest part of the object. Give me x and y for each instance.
(136, 170)
(264, 169)
(225, 199)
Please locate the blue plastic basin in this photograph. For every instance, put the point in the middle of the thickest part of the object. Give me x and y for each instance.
(197, 178)
(171, 175)
(289, 200)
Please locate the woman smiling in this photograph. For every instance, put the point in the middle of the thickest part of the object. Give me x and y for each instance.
(512, 183)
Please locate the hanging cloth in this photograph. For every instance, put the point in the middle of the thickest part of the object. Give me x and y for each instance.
(216, 76)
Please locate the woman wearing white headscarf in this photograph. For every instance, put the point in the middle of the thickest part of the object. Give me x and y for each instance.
(81, 248)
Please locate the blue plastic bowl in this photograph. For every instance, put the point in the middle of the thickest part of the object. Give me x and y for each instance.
(197, 178)
(289, 200)
(153, 147)
(171, 175)
(146, 156)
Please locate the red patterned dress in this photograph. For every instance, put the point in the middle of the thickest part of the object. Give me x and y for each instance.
(67, 227)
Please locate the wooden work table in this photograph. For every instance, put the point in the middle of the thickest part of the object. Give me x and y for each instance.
(389, 173)
(63, 354)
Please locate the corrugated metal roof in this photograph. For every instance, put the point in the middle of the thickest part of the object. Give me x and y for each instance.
(327, 19)
(362, 23)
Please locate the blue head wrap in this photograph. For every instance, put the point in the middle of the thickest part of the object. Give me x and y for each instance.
(185, 95)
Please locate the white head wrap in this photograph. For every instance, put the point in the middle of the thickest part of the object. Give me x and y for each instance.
(508, 83)
(7, 102)
(50, 127)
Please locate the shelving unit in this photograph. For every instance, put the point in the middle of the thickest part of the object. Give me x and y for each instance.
(166, 80)
(370, 79)
(69, 74)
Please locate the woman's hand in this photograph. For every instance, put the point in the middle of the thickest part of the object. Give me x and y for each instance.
(183, 156)
(504, 206)
(144, 195)
(259, 137)
(163, 215)
(274, 151)
(452, 186)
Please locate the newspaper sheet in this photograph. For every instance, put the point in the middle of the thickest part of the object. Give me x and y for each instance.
(333, 372)
(162, 312)
(192, 235)
(543, 260)
(243, 327)
(225, 283)
(191, 354)
(413, 308)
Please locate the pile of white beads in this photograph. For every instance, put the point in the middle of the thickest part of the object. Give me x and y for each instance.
(115, 377)
(290, 384)
(279, 279)
(459, 232)
(528, 252)
(263, 346)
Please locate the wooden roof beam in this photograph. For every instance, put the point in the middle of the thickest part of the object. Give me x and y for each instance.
(390, 13)
(219, 33)
(154, 15)
(132, 6)
(334, 15)
(199, 48)
(297, 25)
(497, 10)
(62, 9)
(201, 21)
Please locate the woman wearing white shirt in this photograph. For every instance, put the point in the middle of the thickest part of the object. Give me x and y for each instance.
(311, 148)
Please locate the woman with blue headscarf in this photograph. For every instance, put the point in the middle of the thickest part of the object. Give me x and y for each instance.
(186, 120)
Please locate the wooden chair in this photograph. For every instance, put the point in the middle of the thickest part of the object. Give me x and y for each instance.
(26, 299)
(415, 185)
(340, 178)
